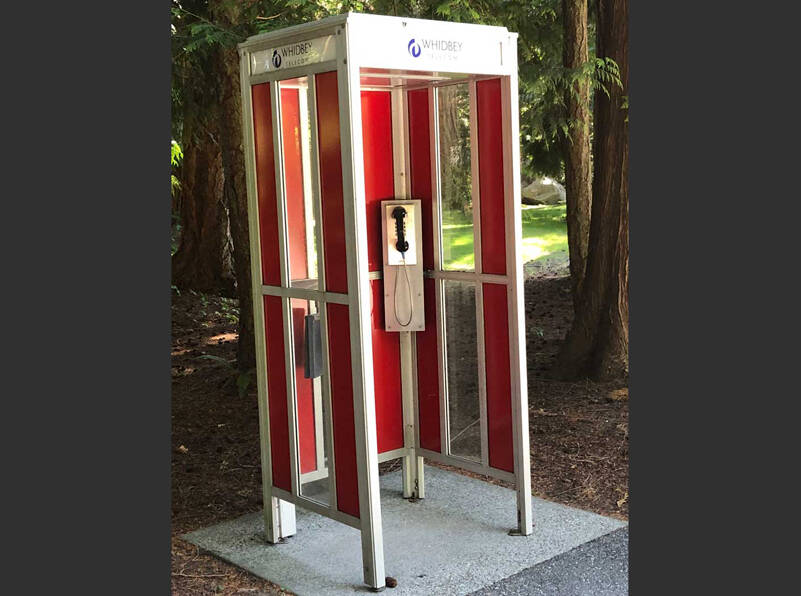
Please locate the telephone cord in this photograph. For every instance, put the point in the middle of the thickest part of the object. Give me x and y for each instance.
(395, 292)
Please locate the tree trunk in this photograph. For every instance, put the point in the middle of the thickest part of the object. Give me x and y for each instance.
(576, 144)
(598, 341)
(449, 149)
(235, 189)
(198, 262)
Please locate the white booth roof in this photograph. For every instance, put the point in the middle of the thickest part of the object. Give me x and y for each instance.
(388, 45)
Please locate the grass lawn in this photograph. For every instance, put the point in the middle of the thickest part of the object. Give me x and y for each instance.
(544, 236)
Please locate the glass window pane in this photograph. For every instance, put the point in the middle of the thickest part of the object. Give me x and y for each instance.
(312, 412)
(461, 341)
(301, 223)
(453, 105)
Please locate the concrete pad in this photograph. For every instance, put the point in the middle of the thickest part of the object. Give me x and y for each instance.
(455, 541)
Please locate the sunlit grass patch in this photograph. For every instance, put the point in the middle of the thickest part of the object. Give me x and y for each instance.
(544, 231)
(544, 235)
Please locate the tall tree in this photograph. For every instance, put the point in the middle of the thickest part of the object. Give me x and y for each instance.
(597, 344)
(576, 141)
(199, 262)
(206, 86)
(226, 60)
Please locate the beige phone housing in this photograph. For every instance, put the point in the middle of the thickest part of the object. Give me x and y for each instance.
(404, 309)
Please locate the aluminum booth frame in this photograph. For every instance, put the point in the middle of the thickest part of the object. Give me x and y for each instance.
(338, 115)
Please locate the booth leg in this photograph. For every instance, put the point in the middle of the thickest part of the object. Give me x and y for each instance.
(373, 563)
(279, 520)
(412, 464)
(413, 477)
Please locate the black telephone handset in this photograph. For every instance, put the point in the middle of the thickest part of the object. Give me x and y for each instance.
(399, 213)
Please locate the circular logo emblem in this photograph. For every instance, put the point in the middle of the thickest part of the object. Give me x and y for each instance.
(276, 59)
(414, 48)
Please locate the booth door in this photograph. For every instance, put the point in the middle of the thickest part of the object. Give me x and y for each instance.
(305, 286)
(463, 356)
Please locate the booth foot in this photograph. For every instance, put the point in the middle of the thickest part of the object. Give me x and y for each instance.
(279, 521)
(413, 478)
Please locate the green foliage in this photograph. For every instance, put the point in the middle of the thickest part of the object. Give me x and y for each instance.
(176, 155)
(603, 72)
(229, 310)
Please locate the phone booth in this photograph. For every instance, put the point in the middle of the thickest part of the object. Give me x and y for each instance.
(385, 228)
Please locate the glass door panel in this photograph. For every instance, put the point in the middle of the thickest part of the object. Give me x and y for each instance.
(311, 409)
(461, 342)
(453, 116)
(296, 138)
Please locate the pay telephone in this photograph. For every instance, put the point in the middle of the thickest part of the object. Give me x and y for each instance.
(399, 214)
(403, 265)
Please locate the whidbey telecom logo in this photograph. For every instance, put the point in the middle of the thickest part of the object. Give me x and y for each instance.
(437, 49)
(276, 59)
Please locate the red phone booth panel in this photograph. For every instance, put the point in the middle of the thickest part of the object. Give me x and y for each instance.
(276, 393)
(379, 184)
(499, 388)
(305, 391)
(428, 374)
(293, 183)
(493, 260)
(265, 184)
(342, 410)
(271, 275)
(336, 279)
(490, 176)
(386, 374)
(333, 209)
(379, 175)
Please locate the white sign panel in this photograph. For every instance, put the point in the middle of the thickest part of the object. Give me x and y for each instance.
(431, 46)
(301, 53)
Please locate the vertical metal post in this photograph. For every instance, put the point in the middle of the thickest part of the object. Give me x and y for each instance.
(515, 294)
(412, 464)
(328, 424)
(279, 516)
(475, 190)
(350, 124)
(286, 282)
(436, 199)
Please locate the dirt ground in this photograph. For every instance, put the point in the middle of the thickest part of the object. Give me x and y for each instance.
(579, 431)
